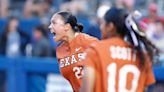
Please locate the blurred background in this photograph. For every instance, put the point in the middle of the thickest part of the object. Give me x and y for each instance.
(27, 50)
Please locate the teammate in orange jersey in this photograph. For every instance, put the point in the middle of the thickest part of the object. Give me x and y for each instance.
(69, 53)
(116, 64)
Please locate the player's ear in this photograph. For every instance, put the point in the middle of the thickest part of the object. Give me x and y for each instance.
(109, 26)
(67, 27)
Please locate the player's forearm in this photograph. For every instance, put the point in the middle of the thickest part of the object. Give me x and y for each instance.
(88, 80)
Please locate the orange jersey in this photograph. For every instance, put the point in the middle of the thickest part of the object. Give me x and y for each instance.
(116, 67)
(69, 56)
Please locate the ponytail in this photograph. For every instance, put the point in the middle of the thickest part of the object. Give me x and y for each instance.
(79, 27)
(139, 41)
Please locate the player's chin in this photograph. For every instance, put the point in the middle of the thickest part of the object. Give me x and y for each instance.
(56, 39)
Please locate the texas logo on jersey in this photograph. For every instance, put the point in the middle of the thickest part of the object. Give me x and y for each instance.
(63, 62)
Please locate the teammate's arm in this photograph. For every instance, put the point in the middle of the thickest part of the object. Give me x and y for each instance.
(88, 79)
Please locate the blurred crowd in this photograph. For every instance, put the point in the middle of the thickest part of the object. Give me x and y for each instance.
(24, 23)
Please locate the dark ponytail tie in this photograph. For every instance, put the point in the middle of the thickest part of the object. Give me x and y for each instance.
(76, 28)
(80, 27)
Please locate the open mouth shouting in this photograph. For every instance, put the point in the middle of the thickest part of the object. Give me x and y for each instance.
(53, 33)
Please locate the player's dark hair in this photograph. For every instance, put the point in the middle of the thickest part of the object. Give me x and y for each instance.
(68, 17)
(124, 25)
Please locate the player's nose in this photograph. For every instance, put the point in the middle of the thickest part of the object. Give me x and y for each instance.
(50, 26)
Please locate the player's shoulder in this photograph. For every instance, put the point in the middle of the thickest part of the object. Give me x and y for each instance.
(85, 40)
(86, 37)
(109, 41)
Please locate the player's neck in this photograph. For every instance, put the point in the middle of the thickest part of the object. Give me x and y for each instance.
(115, 36)
(70, 36)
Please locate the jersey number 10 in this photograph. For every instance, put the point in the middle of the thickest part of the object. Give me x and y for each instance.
(122, 77)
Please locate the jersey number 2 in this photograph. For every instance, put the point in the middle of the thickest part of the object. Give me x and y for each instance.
(122, 81)
(78, 72)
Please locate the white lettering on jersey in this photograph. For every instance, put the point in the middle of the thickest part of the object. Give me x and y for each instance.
(67, 61)
(81, 56)
(61, 62)
(71, 59)
(123, 53)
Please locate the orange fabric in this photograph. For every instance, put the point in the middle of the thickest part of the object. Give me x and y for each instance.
(114, 58)
(69, 55)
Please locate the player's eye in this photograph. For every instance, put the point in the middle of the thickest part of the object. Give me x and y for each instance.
(53, 22)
